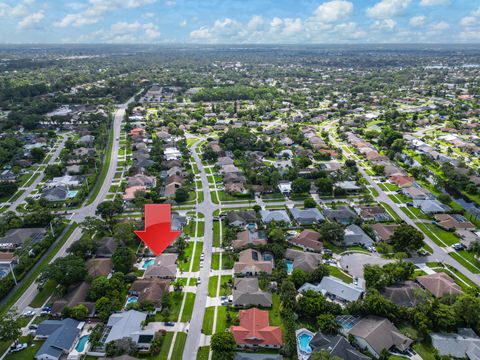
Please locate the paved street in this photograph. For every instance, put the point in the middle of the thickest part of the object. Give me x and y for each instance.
(438, 253)
(85, 211)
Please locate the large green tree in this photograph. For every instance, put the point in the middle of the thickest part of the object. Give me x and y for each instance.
(10, 326)
(123, 259)
(65, 271)
(223, 346)
(406, 238)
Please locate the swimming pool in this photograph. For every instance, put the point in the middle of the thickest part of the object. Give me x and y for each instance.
(147, 263)
(80, 347)
(289, 266)
(72, 193)
(304, 342)
(132, 299)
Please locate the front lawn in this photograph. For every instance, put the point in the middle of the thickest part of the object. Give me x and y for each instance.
(212, 286)
(208, 320)
(216, 233)
(202, 353)
(28, 353)
(335, 271)
(216, 261)
(439, 236)
(179, 345)
(188, 308)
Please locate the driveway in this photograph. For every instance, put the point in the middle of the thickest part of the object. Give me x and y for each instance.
(353, 263)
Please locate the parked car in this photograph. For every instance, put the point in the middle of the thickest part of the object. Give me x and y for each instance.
(29, 313)
(169, 323)
(33, 327)
(18, 347)
(458, 246)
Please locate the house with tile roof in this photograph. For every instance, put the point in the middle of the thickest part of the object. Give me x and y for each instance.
(383, 232)
(439, 284)
(152, 289)
(306, 261)
(377, 334)
(164, 267)
(255, 330)
(307, 240)
(252, 262)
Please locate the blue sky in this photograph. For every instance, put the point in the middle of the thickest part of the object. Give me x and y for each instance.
(240, 21)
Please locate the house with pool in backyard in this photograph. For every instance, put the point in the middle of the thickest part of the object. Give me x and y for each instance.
(68, 338)
(371, 333)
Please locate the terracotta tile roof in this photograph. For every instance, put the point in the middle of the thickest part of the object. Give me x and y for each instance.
(439, 284)
(308, 239)
(254, 329)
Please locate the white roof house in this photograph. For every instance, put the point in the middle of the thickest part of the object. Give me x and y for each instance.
(128, 324)
(335, 289)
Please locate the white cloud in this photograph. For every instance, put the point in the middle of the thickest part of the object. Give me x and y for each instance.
(151, 31)
(184, 23)
(476, 12)
(19, 11)
(442, 25)
(255, 22)
(388, 8)
(469, 21)
(95, 11)
(149, 14)
(170, 3)
(3, 9)
(418, 21)
(123, 32)
(31, 19)
(385, 24)
(434, 2)
(470, 35)
(332, 11)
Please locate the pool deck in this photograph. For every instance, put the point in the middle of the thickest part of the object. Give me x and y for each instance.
(301, 354)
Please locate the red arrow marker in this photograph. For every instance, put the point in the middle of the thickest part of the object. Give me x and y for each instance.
(158, 233)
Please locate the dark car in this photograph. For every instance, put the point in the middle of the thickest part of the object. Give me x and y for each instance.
(169, 323)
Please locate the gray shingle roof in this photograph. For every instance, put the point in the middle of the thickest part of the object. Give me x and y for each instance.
(61, 339)
(274, 215)
(246, 292)
(307, 216)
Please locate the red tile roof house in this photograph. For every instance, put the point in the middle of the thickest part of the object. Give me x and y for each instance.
(308, 240)
(137, 132)
(402, 180)
(255, 330)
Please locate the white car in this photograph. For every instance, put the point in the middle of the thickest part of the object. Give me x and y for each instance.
(18, 347)
(29, 313)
